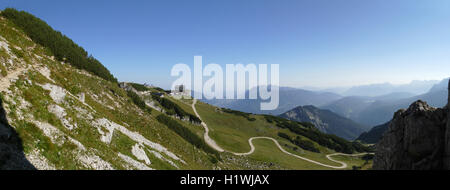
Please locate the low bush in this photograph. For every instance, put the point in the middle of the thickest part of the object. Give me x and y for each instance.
(139, 87)
(139, 102)
(172, 108)
(304, 144)
(239, 113)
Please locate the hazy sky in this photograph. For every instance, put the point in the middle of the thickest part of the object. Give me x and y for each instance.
(316, 42)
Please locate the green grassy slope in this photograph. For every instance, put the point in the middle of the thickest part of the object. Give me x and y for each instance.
(28, 104)
(72, 119)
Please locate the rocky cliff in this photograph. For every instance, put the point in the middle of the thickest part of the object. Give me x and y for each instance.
(418, 138)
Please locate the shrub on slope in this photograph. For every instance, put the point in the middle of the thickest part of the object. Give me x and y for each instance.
(139, 102)
(304, 144)
(139, 87)
(174, 109)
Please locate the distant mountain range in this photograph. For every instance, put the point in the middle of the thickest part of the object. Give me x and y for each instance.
(374, 111)
(326, 121)
(372, 90)
(353, 105)
(415, 87)
(289, 99)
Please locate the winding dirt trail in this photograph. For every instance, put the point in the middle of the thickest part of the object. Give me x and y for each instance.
(208, 140)
(214, 145)
(5, 81)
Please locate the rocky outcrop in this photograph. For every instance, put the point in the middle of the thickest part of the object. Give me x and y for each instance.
(417, 139)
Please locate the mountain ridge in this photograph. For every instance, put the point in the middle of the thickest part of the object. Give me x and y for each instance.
(376, 111)
(373, 135)
(289, 99)
(326, 121)
(372, 90)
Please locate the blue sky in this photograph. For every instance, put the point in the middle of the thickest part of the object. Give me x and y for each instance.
(316, 42)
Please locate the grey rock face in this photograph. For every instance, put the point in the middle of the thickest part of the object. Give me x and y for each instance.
(447, 134)
(417, 139)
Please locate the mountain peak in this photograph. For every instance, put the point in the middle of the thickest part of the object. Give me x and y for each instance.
(419, 106)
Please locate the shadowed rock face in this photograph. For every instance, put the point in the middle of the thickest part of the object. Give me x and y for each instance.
(447, 134)
(417, 139)
(12, 156)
